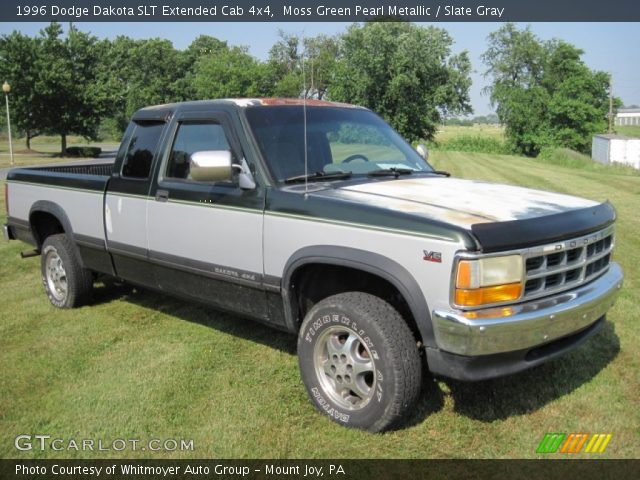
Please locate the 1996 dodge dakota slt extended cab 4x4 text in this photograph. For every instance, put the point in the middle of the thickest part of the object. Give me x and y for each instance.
(319, 219)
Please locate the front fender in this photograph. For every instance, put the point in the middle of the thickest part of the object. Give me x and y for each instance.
(366, 261)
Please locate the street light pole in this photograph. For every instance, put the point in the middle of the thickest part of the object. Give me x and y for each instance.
(6, 88)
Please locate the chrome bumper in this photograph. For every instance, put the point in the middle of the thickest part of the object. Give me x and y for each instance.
(5, 232)
(518, 327)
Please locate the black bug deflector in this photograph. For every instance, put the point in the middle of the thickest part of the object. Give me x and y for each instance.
(514, 234)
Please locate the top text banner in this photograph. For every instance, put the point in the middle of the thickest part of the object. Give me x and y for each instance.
(319, 10)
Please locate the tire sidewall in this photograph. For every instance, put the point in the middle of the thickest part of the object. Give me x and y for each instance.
(49, 245)
(317, 321)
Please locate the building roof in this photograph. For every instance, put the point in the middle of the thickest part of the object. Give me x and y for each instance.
(629, 110)
(614, 136)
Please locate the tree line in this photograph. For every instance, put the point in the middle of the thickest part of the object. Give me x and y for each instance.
(74, 83)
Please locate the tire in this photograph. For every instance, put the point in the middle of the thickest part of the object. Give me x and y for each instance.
(65, 281)
(359, 361)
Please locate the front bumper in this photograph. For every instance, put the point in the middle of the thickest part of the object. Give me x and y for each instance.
(513, 332)
(484, 367)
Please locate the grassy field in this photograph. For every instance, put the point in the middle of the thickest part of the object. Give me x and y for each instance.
(629, 130)
(140, 365)
(450, 132)
(44, 150)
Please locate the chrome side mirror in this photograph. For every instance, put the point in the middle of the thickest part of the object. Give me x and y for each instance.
(422, 151)
(217, 166)
(210, 166)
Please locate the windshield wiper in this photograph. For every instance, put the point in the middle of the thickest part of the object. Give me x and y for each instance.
(441, 172)
(318, 176)
(395, 172)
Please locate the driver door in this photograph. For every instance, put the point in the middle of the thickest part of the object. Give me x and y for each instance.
(205, 238)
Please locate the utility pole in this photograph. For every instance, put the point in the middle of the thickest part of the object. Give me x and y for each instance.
(6, 88)
(610, 102)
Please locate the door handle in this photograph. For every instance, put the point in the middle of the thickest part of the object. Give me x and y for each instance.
(162, 195)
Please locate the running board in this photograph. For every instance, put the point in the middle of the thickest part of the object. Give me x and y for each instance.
(29, 253)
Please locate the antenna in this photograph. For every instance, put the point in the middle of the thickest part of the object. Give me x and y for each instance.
(610, 103)
(304, 123)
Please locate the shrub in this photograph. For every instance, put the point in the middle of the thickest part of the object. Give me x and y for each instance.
(473, 143)
(83, 152)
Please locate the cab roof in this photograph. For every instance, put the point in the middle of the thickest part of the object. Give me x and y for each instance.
(163, 112)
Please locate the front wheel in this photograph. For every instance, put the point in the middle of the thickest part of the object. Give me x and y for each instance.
(359, 361)
(65, 281)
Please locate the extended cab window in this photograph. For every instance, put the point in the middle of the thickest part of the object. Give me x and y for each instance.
(193, 137)
(141, 149)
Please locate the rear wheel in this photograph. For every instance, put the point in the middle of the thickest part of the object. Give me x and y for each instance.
(65, 281)
(359, 361)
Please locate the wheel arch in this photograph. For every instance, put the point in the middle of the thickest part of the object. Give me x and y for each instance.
(372, 264)
(48, 218)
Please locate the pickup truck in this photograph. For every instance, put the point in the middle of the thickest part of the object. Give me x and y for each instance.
(317, 218)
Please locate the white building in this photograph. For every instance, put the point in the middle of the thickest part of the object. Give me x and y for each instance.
(609, 149)
(628, 116)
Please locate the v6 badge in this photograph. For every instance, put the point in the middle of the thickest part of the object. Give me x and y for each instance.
(431, 256)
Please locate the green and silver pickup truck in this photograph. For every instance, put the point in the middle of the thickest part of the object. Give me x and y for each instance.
(318, 219)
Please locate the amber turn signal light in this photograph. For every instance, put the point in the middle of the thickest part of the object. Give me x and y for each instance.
(488, 295)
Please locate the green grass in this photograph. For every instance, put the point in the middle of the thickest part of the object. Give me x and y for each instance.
(141, 365)
(477, 138)
(565, 157)
(44, 150)
(628, 130)
(450, 132)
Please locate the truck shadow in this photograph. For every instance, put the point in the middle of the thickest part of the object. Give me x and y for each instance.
(431, 398)
(193, 312)
(531, 390)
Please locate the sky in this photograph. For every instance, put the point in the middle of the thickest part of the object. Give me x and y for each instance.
(607, 46)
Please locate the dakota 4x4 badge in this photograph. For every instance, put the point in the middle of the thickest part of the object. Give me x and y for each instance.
(431, 256)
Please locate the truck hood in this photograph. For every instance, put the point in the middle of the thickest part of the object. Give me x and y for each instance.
(459, 202)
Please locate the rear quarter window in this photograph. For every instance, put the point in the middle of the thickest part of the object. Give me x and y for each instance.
(141, 149)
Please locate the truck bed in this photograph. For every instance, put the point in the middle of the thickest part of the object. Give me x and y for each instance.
(85, 176)
(72, 194)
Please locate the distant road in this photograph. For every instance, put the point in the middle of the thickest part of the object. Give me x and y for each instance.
(105, 157)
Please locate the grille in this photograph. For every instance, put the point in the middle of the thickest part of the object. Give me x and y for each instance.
(564, 265)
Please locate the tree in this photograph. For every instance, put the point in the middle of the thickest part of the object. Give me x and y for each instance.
(544, 93)
(18, 55)
(302, 68)
(204, 45)
(320, 53)
(286, 52)
(138, 73)
(229, 72)
(404, 72)
(68, 99)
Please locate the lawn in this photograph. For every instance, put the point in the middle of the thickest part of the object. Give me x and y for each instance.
(628, 130)
(44, 150)
(136, 364)
(450, 132)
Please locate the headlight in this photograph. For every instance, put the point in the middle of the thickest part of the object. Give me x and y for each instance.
(488, 280)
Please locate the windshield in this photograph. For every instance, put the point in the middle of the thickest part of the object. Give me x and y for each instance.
(339, 139)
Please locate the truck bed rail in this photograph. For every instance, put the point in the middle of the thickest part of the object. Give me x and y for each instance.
(101, 169)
